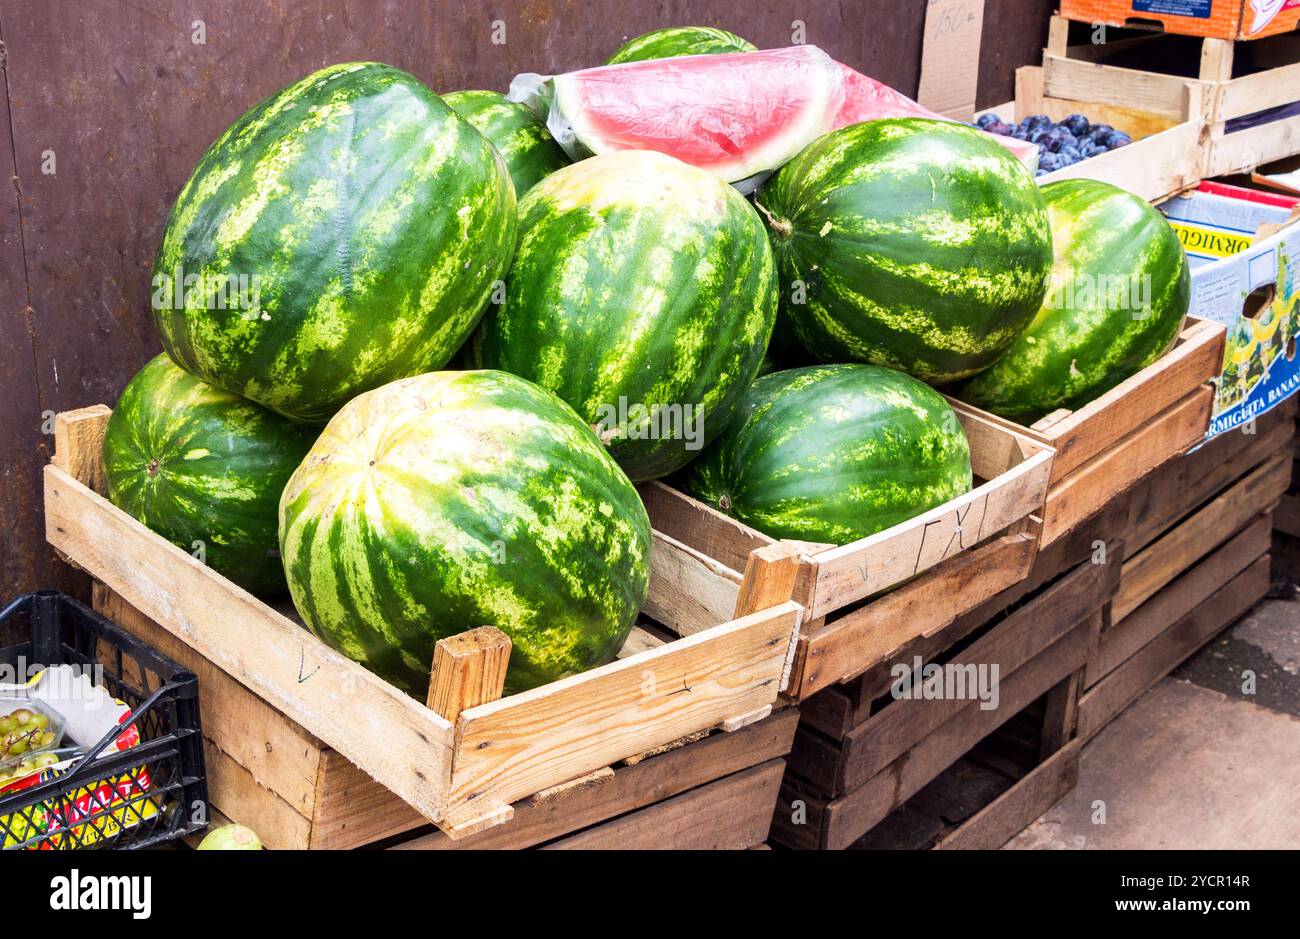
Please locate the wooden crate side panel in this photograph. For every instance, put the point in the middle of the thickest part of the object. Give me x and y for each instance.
(855, 642)
(1152, 92)
(855, 571)
(1259, 92)
(279, 755)
(689, 592)
(852, 815)
(1010, 813)
(630, 787)
(1178, 598)
(1086, 491)
(1179, 549)
(1153, 167)
(727, 815)
(1010, 645)
(1247, 149)
(800, 817)
(1162, 655)
(393, 737)
(520, 745)
(234, 791)
(698, 526)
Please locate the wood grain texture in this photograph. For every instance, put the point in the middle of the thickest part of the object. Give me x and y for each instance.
(513, 747)
(631, 787)
(468, 669)
(1105, 700)
(727, 815)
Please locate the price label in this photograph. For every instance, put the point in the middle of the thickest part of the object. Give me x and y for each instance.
(950, 57)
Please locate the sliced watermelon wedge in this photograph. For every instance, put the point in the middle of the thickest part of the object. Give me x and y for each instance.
(735, 114)
(738, 115)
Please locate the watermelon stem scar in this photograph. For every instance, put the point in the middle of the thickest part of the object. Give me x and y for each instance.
(779, 226)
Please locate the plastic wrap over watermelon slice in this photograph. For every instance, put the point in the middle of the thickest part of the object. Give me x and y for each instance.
(738, 115)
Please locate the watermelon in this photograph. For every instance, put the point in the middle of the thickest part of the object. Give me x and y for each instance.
(643, 294)
(918, 244)
(528, 148)
(834, 453)
(345, 232)
(456, 499)
(1118, 296)
(204, 469)
(735, 115)
(679, 40)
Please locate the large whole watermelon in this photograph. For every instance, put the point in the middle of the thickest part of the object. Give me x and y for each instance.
(1119, 292)
(679, 40)
(528, 148)
(345, 232)
(643, 294)
(834, 453)
(204, 468)
(459, 499)
(917, 244)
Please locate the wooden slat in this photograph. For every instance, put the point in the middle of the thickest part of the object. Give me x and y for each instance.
(900, 725)
(631, 787)
(1268, 89)
(1178, 598)
(691, 591)
(851, 644)
(1162, 655)
(1175, 552)
(693, 523)
(468, 669)
(727, 815)
(1287, 517)
(79, 444)
(1087, 490)
(890, 557)
(1117, 87)
(850, 816)
(1010, 813)
(277, 823)
(516, 746)
(1247, 149)
(393, 737)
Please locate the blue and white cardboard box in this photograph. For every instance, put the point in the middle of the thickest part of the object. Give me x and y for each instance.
(1249, 284)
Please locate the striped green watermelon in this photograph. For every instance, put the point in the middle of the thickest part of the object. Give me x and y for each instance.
(679, 40)
(528, 148)
(643, 294)
(1119, 292)
(918, 244)
(456, 499)
(204, 468)
(834, 453)
(345, 232)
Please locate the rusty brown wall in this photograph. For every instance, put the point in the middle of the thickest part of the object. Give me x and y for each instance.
(120, 98)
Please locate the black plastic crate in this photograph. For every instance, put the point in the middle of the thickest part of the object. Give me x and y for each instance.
(159, 792)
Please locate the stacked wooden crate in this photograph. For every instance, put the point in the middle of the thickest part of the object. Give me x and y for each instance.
(1196, 544)
(1286, 528)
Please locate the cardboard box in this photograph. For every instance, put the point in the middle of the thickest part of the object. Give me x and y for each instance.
(1244, 249)
(1220, 19)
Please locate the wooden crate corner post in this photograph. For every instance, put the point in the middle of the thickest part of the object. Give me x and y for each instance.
(469, 669)
(79, 444)
(771, 577)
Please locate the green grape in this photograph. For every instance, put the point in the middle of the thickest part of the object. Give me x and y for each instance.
(45, 759)
(22, 715)
(40, 721)
(43, 738)
(7, 723)
(18, 748)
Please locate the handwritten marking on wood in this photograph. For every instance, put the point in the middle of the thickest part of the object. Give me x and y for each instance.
(950, 57)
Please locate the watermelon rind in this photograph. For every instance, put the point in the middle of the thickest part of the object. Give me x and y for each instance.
(453, 500)
(680, 40)
(204, 468)
(1119, 293)
(643, 294)
(530, 152)
(917, 244)
(345, 232)
(834, 453)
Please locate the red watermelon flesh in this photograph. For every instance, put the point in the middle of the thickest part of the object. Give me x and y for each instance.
(866, 99)
(734, 114)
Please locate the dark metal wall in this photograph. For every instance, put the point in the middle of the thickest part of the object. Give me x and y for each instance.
(107, 104)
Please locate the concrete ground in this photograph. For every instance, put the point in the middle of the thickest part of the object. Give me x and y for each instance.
(1201, 760)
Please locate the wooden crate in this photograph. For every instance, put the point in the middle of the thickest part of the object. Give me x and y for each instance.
(1168, 152)
(860, 753)
(347, 757)
(714, 793)
(1286, 530)
(1212, 96)
(936, 566)
(1107, 445)
(1197, 543)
